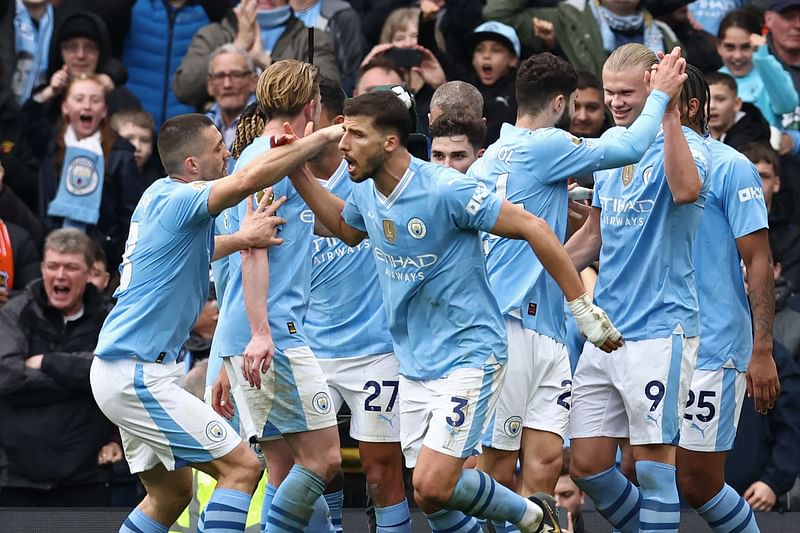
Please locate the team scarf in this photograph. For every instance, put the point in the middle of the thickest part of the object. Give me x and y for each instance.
(6, 258)
(610, 23)
(80, 188)
(32, 47)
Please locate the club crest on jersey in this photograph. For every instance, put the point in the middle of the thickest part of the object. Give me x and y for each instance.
(215, 431)
(416, 227)
(321, 402)
(389, 231)
(513, 426)
(647, 176)
(627, 175)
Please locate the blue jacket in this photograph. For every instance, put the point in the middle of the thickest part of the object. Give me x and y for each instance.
(157, 40)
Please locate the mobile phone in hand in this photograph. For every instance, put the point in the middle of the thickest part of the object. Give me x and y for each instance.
(404, 57)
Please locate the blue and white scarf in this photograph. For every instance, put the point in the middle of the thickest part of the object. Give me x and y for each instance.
(80, 188)
(32, 46)
(610, 23)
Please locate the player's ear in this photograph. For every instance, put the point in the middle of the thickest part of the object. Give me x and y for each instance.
(481, 152)
(391, 142)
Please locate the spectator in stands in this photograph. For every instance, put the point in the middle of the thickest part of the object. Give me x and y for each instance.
(707, 14)
(585, 31)
(25, 32)
(457, 140)
(98, 273)
(787, 302)
(80, 46)
(422, 77)
(456, 97)
(267, 30)
(495, 55)
(760, 78)
(16, 156)
(699, 46)
(588, 118)
(17, 212)
(379, 71)
(19, 260)
(765, 459)
(232, 84)
(569, 496)
(445, 28)
(337, 19)
(730, 120)
(136, 126)
(88, 177)
(782, 19)
(59, 435)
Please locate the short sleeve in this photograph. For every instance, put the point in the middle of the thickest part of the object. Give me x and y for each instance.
(352, 214)
(697, 147)
(744, 199)
(187, 206)
(469, 203)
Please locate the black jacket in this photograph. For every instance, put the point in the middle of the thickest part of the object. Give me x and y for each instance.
(122, 189)
(752, 127)
(767, 447)
(53, 427)
(499, 103)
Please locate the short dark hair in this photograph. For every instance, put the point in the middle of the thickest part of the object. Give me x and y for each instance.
(762, 153)
(714, 78)
(745, 19)
(696, 86)
(178, 139)
(381, 62)
(332, 97)
(587, 80)
(99, 254)
(542, 77)
(387, 111)
(456, 124)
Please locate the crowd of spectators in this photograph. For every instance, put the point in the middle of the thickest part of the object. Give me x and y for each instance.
(85, 85)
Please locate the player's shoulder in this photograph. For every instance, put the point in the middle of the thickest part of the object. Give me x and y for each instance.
(258, 146)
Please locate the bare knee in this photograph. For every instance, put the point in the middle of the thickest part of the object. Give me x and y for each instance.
(698, 487)
(428, 493)
(241, 471)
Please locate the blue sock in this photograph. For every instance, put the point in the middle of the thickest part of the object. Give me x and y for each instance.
(445, 521)
(226, 511)
(269, 494)
(320, 521)
(661, 508)
(477, 494)
(727, 511)
(294, 501)
(394, 518)
(615, 497)
(335, 502)
(138, 522)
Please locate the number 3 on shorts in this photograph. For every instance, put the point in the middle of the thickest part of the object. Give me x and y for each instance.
(458, 411)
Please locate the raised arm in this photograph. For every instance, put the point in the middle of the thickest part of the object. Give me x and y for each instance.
(327, 207)
(269, 167)
(516, 223)
(762, 376)
(583, 247)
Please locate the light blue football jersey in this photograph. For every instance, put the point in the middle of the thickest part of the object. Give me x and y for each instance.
(289, 271)
(734, 208)
(427, 247)
(345, 316)
(646, 281)
(220, 271)
(530, 168)
(163, 275)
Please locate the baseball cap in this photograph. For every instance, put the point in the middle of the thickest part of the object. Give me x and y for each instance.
(81, 25)
(497, 31)
(780, 5)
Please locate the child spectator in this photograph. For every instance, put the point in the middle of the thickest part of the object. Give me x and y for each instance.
(88, 178)
(98, 272)
(730, 120)
(136, 127)
(760, 78)
(495, 57)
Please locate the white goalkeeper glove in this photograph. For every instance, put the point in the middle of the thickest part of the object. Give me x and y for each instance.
(592, 321)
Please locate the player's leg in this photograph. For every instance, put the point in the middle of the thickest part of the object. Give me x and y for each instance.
(168, 494)
(547, 417)
(655, 398)
(462, 402)
(598, 409)
(707, 433)
(383, 467)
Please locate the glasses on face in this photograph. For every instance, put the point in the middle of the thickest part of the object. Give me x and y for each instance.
(235, 75)
(75, 47)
